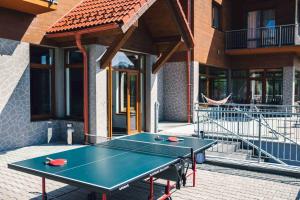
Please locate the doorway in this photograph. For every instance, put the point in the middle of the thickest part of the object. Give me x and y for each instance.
(127, 94)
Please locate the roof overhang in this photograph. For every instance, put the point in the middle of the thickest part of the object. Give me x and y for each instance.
(148, 10)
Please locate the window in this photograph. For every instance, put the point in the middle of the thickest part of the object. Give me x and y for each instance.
(41, 82)
(274, 86)
(263, 86)
(213, 82)
(74, 84)
(216, 16)
(258, 36)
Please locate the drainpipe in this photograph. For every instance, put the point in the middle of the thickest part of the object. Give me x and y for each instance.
(85, 87)
(188, 65)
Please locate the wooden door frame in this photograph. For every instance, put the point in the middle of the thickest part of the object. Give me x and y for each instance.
(128, 111)
(138, 99)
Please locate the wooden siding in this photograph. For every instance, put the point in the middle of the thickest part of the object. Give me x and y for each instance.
(30, 28)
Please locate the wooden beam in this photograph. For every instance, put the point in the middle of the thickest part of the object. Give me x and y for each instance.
(115, 47)
(168, 39)
(181, 22)
(165, 56)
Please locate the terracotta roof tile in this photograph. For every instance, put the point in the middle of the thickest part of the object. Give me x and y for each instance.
(91, 13)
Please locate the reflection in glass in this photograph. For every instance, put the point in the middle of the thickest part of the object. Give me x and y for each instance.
(123, 91)
(239, 91)
(41, 55)
(40, 91)
(74, 92)
(124, 60)
(256, 91)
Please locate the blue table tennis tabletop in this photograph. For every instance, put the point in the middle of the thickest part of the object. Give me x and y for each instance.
(114, 164)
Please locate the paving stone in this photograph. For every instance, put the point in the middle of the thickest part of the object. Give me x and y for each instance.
(213, 182)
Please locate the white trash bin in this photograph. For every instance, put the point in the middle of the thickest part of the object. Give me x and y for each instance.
(70, 132)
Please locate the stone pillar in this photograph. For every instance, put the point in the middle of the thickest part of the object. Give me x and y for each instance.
(151, 93)
(175, 91)
(288, 85)
(97, 95)
(160, 93)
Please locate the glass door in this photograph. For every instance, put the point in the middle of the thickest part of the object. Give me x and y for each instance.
(133, 102)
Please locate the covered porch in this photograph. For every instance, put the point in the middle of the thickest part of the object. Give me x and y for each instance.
(122, 57)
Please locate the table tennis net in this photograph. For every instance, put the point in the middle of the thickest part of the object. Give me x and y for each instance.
(147, 148)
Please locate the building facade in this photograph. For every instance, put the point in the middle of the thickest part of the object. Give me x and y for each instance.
(93, 64)
(247, 48)
(102, 66)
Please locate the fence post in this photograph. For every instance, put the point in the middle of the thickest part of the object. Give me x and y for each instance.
(259, 139)
(198, 124)
(280, 29)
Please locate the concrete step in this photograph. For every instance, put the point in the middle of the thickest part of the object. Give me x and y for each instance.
(237, 156)
(226, 147)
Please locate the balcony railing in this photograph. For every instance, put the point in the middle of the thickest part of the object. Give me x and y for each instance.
(261, 133)
(276, 36)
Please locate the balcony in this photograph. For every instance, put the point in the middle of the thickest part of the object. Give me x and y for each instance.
(277, 39)
(30, 6)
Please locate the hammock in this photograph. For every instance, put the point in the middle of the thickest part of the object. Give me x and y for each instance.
(214, 102)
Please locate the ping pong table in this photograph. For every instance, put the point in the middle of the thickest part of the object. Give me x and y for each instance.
(114, 165)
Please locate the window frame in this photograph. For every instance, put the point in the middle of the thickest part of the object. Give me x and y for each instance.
(70, 66)
(217, 6)
(51, 68)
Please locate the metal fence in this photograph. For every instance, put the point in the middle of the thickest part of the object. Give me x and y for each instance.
(261, 37)
(264, 133)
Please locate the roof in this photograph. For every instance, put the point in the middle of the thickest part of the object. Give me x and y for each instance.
(90, 13)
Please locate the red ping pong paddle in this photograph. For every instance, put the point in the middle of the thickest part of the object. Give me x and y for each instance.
(174, 139)
(56, 162)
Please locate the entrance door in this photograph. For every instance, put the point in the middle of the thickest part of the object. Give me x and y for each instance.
(125, 86)
(133, 102)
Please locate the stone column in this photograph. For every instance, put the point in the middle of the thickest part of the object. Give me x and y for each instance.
(97, 95)
(151, 93)
(175, 91)
(288, 85)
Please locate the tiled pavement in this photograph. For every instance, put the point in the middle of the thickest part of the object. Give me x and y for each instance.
(212, 183)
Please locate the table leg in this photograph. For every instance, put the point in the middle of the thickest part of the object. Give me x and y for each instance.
(104, 196)
(44, 195)
(194, 170)
(151, 195)
(168, 188)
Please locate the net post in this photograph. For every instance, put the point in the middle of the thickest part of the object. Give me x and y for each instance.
(168, 188)
(193, 167)
(104, 196)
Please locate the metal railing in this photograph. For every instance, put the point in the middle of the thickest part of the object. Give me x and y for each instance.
(264, 133)
(276, 36)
